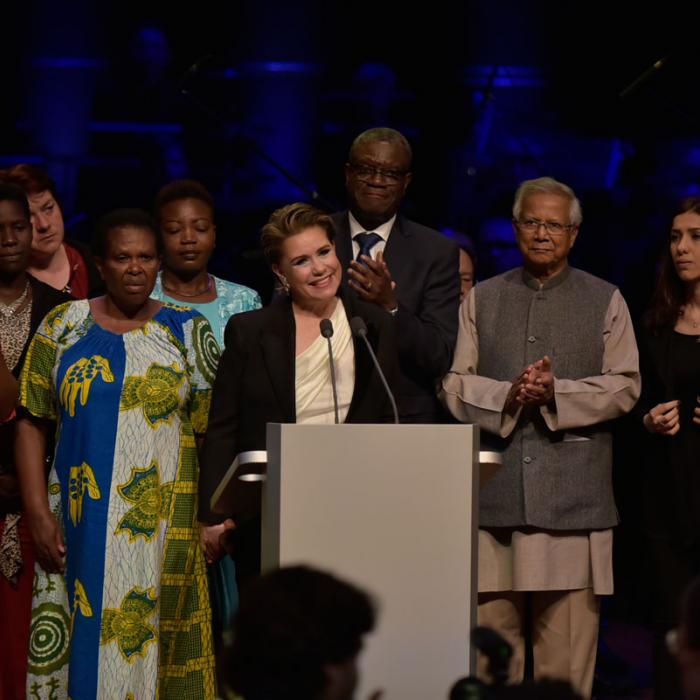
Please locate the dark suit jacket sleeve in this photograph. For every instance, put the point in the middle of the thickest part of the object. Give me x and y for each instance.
(426, 338)
(220, 447)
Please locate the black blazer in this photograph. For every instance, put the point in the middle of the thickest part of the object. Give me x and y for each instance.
(425, 266)
(255, 384)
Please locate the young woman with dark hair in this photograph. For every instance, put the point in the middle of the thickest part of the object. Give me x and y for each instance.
(670, 410)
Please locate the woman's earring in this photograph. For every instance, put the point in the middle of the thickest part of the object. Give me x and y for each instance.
(284, 283)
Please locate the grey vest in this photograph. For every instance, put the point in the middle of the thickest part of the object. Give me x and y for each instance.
(560, 480)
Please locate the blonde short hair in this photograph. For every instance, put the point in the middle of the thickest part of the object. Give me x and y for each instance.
(288, 221)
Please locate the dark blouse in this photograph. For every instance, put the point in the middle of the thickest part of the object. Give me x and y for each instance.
(43, 299)
(673, 463)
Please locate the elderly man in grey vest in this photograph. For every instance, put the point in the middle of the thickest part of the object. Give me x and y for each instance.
(545, 359)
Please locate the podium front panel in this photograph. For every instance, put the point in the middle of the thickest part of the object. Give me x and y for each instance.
(393, 509)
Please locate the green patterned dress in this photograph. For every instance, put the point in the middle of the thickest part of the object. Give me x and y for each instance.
(130, 618)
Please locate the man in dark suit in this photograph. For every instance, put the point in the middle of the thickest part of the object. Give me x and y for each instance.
(409, 270)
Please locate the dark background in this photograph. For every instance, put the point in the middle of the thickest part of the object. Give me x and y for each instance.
(488, 93)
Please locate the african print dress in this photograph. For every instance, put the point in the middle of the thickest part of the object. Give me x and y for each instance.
(130, 618)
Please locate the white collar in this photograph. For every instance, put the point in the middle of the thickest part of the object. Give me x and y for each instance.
(384, 230)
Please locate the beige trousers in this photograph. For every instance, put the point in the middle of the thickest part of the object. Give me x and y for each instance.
(564, 633)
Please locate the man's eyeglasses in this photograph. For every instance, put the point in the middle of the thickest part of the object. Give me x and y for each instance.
(553, 228)
(367, 172)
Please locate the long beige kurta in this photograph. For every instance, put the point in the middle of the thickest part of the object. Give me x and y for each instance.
(529, 559)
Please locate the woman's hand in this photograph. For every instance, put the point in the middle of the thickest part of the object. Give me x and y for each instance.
(696, 412)
(211, 536)
(49, 547)
(663, 419)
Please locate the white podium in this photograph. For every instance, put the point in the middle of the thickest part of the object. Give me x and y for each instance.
(392, 508)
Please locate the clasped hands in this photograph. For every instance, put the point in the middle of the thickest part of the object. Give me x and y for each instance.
(372, 281)
(215, 540)
(533, 387)
(664, 418)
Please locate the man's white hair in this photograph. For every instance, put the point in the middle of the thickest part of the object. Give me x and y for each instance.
(547, 185)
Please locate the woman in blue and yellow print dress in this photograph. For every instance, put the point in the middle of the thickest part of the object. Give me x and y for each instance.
(125, 614)
(184, 211)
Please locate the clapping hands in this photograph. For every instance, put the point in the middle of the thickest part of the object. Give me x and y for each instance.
(372, 281)
(533, 387)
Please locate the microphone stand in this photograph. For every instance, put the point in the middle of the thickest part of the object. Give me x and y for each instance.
(359, 330)
(327, 333)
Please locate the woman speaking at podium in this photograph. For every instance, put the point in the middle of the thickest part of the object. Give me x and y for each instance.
(276, 368)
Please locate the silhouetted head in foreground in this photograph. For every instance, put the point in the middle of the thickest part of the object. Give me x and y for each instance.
(297, 634)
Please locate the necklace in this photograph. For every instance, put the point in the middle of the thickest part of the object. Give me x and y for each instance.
(189, 295)
(14, 307)
(14, 326)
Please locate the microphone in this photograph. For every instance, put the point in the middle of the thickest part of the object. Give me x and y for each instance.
(327, 333)
(496, 649)
(359, 330)
(468, 688)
